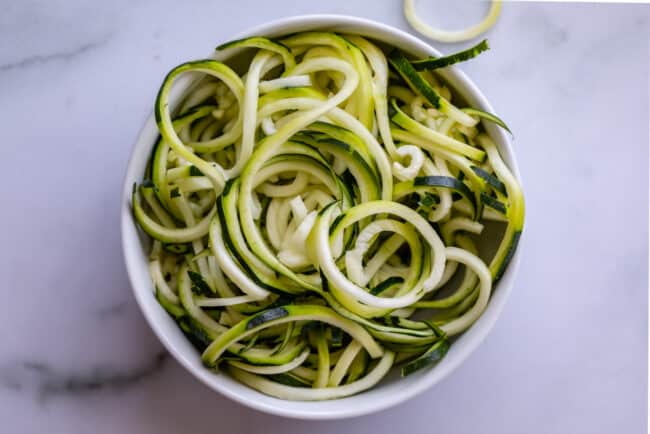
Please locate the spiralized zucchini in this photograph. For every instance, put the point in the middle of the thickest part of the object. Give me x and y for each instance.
(451, 35)
(316, 219)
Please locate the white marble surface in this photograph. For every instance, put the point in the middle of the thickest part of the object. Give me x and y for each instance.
(569, 354)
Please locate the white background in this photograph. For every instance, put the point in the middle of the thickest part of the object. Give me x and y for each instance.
(569, 354)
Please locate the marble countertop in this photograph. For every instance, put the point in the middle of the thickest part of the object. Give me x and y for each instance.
(569, 354)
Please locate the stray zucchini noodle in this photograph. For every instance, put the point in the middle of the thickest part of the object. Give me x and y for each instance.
(449, 35)
(315, 218)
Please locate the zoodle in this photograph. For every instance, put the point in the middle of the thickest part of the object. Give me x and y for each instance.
(315, 217)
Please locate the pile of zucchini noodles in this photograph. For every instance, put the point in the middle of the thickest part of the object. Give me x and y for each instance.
(309, 214)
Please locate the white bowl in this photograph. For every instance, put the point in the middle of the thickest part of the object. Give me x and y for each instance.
(393, 390)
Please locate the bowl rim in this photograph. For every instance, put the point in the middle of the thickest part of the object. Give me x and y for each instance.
(471, 338)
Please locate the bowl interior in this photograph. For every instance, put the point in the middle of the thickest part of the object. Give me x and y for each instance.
(393, 389)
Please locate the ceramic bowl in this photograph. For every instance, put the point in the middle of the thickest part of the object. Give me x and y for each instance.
(393, 389)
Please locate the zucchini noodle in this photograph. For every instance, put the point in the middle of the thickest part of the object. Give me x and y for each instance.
(315, 219)
(448, 35)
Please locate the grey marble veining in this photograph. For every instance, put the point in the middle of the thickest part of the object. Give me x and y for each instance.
(44, 382)
(39, 59)
(569, 353)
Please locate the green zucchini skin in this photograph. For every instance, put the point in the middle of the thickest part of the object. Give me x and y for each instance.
(410, 75)
(487, 116)
(427, 183)
(432, 356)
(442, 62)
(492, 180)
(267, 315)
